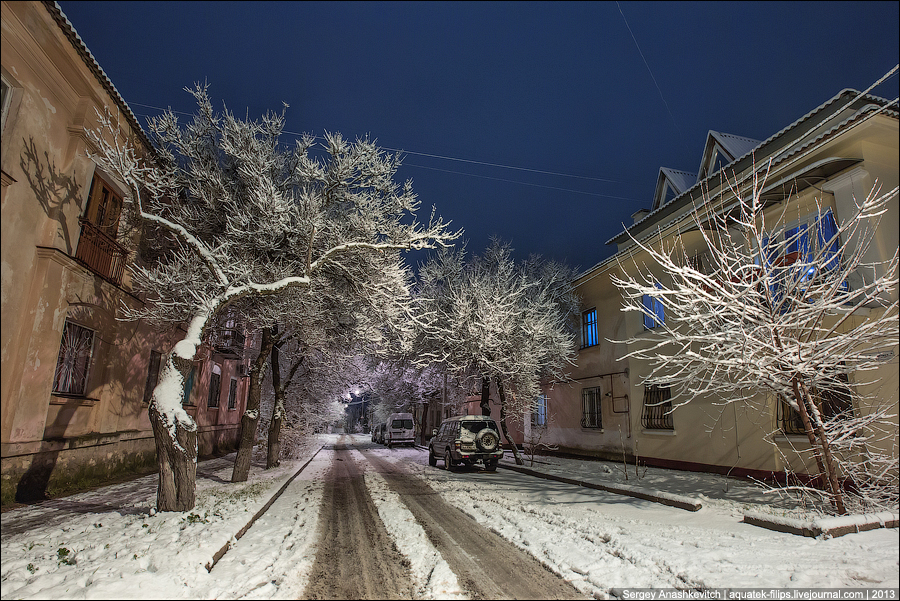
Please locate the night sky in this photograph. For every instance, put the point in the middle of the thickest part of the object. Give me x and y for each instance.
(538, 123)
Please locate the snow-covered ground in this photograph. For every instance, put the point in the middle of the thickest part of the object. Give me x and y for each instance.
(111, 545)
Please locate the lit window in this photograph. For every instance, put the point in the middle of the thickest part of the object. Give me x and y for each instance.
(654, 312)
(589, 328)
(74, 360)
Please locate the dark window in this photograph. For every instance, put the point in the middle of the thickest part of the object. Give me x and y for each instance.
(152, 375)
(539, 412)
(214, 390)
(590, 401)
(74, 360)
(835, 403)
(589, 328)
(232, 394)
(657, 411)
(655, 314)
(402, 423)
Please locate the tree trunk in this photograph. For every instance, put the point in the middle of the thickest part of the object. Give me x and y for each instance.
(176, 456)
(486, 396)
(273, 445)
(250, 419)
(503, 425)
(830, 466)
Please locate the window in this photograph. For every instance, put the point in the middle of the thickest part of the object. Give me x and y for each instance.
(215, 387)
(789, 256)
(189, 386)
(589, 328)
(590, 400)
(655, 314)
(152, 375)
(5, 98)
(539, 412)
(232, 394)
(657, 411)
(834, 404)
(74, 360)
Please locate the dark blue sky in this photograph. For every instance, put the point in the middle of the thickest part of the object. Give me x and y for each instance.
(559, 88)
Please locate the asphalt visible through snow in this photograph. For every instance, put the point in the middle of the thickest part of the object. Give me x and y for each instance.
(486, 565)
(356, 557)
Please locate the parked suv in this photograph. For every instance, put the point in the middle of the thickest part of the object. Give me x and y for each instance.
(466, 440)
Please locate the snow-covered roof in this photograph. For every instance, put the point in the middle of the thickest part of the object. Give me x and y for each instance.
(785, 143)
(677, 180)
(81, 48)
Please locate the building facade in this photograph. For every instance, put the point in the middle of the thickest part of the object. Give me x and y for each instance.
(76, 375)
(822, 162)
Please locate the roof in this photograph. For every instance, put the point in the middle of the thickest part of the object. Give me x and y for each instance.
(786, 143)
(81, 48)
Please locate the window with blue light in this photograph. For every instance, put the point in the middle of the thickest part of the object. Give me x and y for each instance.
(589, 328)
(655, 313)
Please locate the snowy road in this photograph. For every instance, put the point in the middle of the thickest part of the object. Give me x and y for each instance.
(436, 536)
(486, 565)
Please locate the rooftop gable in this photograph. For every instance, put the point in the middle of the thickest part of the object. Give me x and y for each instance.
(720, 150)
(671, 183)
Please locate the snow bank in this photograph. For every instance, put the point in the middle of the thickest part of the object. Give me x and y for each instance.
(830, 526)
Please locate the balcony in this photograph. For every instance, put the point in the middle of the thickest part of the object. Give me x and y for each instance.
(228, 343)
(100, 253)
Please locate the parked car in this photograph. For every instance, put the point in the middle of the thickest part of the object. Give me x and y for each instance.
(375, 433)
(400, 429)
(466, 440)
(379, 435)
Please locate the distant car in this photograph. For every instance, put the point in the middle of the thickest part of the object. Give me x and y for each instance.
(379, 438)
(375, 433)
(400, 429)
(466, 440)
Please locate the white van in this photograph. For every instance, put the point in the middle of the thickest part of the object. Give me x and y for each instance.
(400, 429)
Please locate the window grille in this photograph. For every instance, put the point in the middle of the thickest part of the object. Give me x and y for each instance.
(655, 314)
(539, 412)
(152, 375)
(835, 403)
(589, 328)
(74, 360)
(214, 390)
(590, 400)
(232, 394)
(657, 411)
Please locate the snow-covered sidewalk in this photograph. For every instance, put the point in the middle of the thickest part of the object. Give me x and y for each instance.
(110, 543)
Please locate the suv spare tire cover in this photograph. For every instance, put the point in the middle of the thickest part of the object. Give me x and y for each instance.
(487, 440)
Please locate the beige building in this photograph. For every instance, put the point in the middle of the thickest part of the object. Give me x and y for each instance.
(76, 377)
(836, 151)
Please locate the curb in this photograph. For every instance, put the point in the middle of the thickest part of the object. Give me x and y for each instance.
(832, 527)
(679, 501)
(221, 552)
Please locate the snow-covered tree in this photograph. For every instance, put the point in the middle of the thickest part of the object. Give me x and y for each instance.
(236, 215)
(492, 319)
(772, 311)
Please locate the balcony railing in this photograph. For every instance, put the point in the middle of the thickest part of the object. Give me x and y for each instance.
(100, 253)
(228, 342)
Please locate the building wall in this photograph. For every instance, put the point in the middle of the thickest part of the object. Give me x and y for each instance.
(51, 439)
(708, 435)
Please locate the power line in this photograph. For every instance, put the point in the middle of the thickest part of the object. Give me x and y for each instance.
(459, 159)
(511, 181)
(658, 89)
